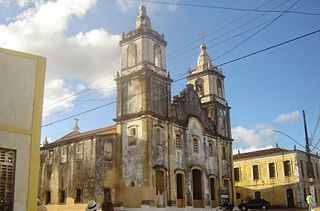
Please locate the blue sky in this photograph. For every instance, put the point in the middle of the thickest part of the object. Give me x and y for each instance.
(265, 91)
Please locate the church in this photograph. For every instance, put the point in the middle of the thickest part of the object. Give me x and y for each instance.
(163, 151)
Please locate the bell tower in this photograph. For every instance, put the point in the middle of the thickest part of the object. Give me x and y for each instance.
(143, 86)
(208, 81)
(143, 97)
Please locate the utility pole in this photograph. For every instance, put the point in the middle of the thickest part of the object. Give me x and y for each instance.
(310, 172)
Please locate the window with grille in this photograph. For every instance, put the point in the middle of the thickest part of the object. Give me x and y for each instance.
(79, 150)
(210, 148)
(132, 136)
(237, 174)
(255, 172)
(195, 143)
(287, 168)
(7, 168)
(272, 170)
(108, 150)
(64, 153)
(178, 141)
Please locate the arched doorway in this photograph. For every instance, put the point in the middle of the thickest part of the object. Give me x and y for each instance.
(213, 187)
(180, 190)
(160, 188)
(197, 194)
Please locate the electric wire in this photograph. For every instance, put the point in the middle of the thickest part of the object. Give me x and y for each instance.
(226, 8)
(214, 31)
(237, 35)
(225, 63)
(254, 34)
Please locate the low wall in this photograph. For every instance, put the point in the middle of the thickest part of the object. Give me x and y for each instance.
(73, 207)
(82, 207)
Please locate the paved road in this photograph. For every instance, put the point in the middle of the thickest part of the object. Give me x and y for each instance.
(287, 209)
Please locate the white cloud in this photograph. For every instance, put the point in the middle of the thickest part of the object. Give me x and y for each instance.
(288, 117)
(85, 57)
(252, 137)
(251, 149)
(124, 5)
(59, 95)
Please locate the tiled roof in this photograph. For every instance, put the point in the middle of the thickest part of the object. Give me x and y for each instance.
(260, 153)
(110, 130)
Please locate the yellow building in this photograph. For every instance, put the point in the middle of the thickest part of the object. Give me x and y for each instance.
(277, 175)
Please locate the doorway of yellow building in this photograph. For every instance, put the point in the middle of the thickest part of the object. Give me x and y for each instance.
(290, 198)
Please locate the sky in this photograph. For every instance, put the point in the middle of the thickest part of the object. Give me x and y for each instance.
(266, 91)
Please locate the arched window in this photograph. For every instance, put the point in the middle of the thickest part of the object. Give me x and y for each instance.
(219, 88)
(157, 56)
(199, 86)
(132, 54)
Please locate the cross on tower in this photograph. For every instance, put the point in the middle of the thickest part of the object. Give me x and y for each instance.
(202, 35)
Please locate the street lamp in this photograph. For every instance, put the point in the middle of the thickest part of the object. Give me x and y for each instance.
(310, 172)
(307, 150)
(278, 131)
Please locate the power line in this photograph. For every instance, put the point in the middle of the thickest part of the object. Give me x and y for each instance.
(237, 35)
(268, 48)
(227, 8)
(220, 28)
(254, 34)
(99, 85)
(176, 80)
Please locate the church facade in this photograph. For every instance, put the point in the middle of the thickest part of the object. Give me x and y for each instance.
(162, 151)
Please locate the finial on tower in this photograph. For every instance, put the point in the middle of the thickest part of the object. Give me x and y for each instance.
(143, 20)
(202, 35)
